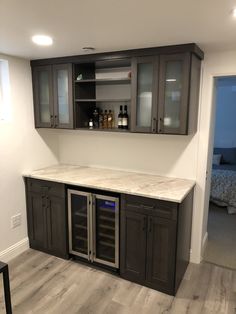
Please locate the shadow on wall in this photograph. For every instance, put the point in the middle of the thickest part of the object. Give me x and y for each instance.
(157, 154)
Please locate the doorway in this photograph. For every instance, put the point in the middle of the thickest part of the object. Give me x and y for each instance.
(221, 249)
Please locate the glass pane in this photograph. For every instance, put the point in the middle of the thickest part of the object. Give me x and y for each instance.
(62, 94)
(79, 223)
(105, 230)
(144, 95)
(173, 89)
(44, 100)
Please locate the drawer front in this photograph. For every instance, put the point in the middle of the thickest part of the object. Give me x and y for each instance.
(150, 206)
(46, 187)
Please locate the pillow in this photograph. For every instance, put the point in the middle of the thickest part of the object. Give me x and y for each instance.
(228, 155)
(216, 159)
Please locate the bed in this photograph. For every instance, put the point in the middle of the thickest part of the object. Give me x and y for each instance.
(223, 183)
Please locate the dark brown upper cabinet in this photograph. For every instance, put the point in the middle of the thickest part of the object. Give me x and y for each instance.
(165, 94)
(159, 86)
(53, 100)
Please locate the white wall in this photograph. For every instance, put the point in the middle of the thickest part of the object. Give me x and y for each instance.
(22, 149)
(157, 154)
(225, 126)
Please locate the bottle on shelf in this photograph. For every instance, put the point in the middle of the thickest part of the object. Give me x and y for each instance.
(91, 124)
(110, 120)
(95, 118)
(125, 119)
(100, 120)
(105, 120)
(120, 118)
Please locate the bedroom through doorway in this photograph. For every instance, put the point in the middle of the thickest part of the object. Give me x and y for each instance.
(221, 248)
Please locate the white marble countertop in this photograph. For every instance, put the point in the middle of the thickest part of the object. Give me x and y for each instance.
(153, 186)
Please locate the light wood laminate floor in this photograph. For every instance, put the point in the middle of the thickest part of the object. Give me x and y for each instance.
(41, 283)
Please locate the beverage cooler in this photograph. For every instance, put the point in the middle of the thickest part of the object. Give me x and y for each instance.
(94, 227)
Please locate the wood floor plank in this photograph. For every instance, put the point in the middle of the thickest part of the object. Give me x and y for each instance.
(43, 284)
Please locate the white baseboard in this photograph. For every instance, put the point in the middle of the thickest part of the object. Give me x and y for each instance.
(14, 250)
(204, 243)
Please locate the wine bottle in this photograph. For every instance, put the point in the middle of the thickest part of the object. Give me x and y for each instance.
(109, 120)
(125, 119)
(120, 118)
(101, 120)
(105, 120)
(95, 118)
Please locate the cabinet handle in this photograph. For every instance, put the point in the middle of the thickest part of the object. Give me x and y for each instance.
(144, 224)
(160, 125)
(153, 125)
(56, 121)
(51, 121)
(147, 207)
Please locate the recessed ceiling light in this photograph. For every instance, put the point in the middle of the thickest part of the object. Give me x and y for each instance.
(234, 12)
(42, 40)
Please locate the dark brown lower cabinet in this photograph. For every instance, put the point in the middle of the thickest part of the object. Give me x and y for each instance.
(155, 241)
(133, 239)
(46, 216)
(161, 235)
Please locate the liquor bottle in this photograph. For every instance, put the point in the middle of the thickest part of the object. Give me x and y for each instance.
(109, 120)
(91, 124)
(125, 119)
(120, 118)
(95, 118)
(101, 120)
(105, 120)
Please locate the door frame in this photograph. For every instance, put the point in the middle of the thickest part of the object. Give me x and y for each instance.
(221, 64)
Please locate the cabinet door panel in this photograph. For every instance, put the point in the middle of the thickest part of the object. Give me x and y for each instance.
(133, 246)
(173, 93)
(57, 226)
(37, 223)
(144, 94)
(43, 96)
(63, 100)
(161, 246)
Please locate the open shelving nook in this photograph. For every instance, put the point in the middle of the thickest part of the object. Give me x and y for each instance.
(105, 85)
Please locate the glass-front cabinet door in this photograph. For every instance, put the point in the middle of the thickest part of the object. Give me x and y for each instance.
(79, 223)
(173, 93)
(63, 102)
(43, 96)
(144, 94)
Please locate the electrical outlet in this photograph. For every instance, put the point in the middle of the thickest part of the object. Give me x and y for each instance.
(15, 221)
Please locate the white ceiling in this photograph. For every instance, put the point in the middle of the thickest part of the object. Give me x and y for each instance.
(114, 25)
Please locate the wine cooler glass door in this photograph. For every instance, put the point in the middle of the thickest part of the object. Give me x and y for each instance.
(79, 221)
(106, 230)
